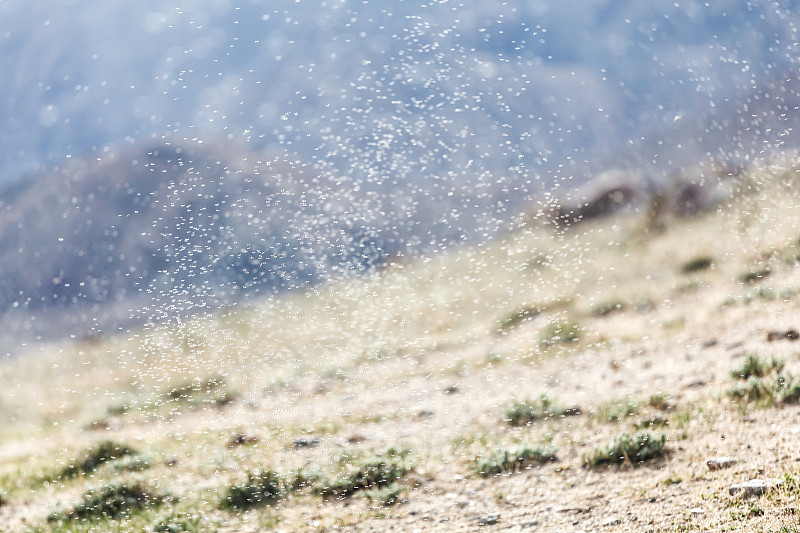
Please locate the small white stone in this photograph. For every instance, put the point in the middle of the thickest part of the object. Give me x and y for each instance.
(754, 487)
(718, 463)
(489, 520)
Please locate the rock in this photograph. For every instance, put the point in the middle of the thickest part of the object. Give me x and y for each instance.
(754, 487)
(611, 522)
(718, 463)
(452, 389)
(305, 443)
(789, 334)
(698, 188)
(603, 195)
(697, 511)
(240, 439)
(489, 520)
(695, 384)
(110, 424)
(688, 199)
(416, 481)
(356, 438)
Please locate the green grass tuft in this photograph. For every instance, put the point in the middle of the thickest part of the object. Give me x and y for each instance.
(653, 422)
(660, 401)
(762, 383)
(697, 264)
(106, 451)
(111, 501)
(746, 512)
(510, 461)
(608, 308)
(755, 275)
(754, 390)
(132, 463)
(385, 496)
(629, 449)
(789, 391)
(616, 411)
(261, 488)
(380, 471)
(303, 479)
(562, 333)
(212, 390)
(784, 389)
(754, 366)
(517, 317)
(179, 523)
(526, 412)
(764, 294)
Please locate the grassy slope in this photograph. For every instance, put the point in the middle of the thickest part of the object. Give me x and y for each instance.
(425, 356)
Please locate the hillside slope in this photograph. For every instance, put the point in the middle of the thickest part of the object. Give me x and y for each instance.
(153, 231)
(411, 399)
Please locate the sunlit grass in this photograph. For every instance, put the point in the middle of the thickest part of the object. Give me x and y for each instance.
(511, 461)
(105, 452)
(268, 366)
(407, 309)
(526, 412)
(629, 449)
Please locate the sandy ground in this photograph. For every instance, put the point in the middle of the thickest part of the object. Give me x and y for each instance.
(448, 406)
(444, 399)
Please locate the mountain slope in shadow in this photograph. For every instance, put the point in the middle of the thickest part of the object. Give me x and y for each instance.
(150, 232)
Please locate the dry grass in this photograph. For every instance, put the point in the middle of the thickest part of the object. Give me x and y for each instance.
(401, 358)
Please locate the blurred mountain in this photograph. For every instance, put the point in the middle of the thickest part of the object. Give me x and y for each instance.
(154, 231)
(420, 123)
(172, 229)
(526, 90)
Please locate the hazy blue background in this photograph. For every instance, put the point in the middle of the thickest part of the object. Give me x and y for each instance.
(418, 88)
(406, 125)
